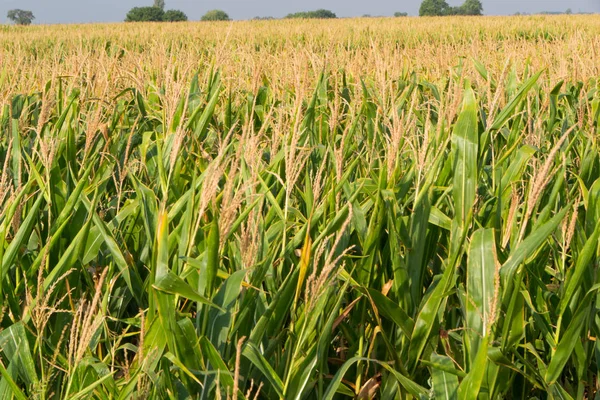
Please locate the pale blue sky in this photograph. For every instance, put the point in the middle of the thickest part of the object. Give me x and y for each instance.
(69, 11)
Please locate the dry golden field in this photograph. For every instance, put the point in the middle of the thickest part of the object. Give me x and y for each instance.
(106, 58)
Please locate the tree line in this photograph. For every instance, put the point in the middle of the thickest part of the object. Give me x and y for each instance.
(157, 13)
(318, 14)
(441, 8)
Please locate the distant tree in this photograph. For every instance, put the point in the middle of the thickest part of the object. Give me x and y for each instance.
(324, 14)
(174, 16)
(434, 8)
(441, 7)
(400, 14)
(318, 14)
(145, 14)
(263, 18)
(471, 7)
(367, 16)
(20, 17)
(159, 4)
(569, 11)
(215, 15)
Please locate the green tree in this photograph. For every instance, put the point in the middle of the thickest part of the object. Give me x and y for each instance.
(215, 15)
(159, 4)
(20, 17)
(325, 14)
(318, 14)
(434, 8)
(145, 14)
(441, 7)
(471, 7)
(175, 16)
(400, 14)
(569, 11)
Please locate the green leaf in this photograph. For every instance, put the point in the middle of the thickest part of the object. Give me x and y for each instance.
(481, 288)
(410, 386)
(301, 374)
(172, 284)
(465, 146)
(470, 386)
(212, 257)
(206, 115)
(14, 345)
(85, 392)
(427, 316)
(509, 109)
(392, 311)
(171, 357)
(252, 353)
(131, 276)
(8, 384)
(21, 237)
(584, 259)
(221, 316)
(445, 385)
(569, 340)
(529, 246)
(216, 362)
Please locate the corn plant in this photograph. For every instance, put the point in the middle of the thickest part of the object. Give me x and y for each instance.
(347, 235)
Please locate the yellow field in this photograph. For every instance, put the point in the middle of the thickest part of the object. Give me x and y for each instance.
(292, 53)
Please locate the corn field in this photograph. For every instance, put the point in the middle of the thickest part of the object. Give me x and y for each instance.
(355, 209)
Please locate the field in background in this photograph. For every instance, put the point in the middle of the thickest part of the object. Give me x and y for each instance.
(365, 208)
(284, 54)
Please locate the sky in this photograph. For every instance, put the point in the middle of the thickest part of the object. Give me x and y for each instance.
(84, 11)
